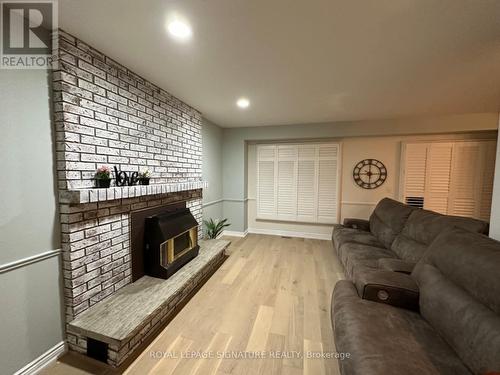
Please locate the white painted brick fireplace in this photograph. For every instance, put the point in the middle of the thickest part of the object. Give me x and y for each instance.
(106, 114)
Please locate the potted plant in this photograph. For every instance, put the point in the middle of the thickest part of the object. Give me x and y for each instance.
(214, 228)
(144, 177)
(103, 177)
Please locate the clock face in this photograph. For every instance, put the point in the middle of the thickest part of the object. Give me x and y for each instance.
(369, 173)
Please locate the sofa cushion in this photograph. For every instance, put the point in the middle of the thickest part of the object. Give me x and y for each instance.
(342, 235)
(459, 282)
(396, 265)
(357, 255)
(383, 339)
(423, 226)
(388, 219)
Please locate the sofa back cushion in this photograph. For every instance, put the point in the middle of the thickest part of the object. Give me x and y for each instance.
(388, 219)
(423, 226)
(459, 283)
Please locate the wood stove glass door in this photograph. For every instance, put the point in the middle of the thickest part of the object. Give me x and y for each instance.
(175, 247)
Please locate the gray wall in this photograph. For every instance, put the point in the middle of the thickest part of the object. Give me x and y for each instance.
(28, 221)
(495, 204)
(30, 318)
(234, 188)
(212, 170)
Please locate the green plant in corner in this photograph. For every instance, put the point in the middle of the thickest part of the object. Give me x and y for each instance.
(214, 228)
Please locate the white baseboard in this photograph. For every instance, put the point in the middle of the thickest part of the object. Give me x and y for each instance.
(285, 233)
(231, 233)
(276, 232)
(51, 355)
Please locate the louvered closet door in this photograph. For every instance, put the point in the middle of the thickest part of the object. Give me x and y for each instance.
(472, 179)
(458, 176)
(287, 182)
(415, 173)
(328, 183)
(266, 182)
(488, 169)
(438, 177)
(465, 187)
(307, 172)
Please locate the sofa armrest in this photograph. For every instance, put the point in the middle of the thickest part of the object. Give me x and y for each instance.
(392, 288)
(357, 224)
(396, 265)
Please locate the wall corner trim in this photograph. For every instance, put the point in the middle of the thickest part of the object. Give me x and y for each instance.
(44, 360)
(28, 260)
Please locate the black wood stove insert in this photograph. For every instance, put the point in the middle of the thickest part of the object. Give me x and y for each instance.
(163, 240)
(170, 241)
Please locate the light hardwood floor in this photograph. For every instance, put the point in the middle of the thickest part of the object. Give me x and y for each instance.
(272, 295)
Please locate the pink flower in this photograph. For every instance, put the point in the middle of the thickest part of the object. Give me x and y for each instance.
(103, 172)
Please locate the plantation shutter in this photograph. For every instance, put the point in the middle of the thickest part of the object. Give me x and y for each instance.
(488, 168)
(415, 173)
(327, 182)
(438, 177)
(266, 186)
(307, 183)
(287, 183)
(465, 193)
(472, 182)
(298, 182)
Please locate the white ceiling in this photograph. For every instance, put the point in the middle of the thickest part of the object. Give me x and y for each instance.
(306, 61)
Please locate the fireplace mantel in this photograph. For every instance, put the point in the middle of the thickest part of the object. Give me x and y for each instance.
(101, 195)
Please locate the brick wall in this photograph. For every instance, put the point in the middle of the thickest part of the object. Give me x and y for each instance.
(105, 114)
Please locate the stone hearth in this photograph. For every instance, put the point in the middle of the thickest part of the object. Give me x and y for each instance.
(124, 320)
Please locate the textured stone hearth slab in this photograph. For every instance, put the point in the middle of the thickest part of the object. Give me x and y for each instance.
(101, 195)
(119, 317)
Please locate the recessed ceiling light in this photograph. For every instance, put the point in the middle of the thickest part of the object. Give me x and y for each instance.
(179, 29)
(243, 103)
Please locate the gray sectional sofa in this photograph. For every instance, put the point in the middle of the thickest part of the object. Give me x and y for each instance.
(423, 295)
(395, 237)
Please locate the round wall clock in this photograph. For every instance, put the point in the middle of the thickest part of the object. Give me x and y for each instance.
(369, 173)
